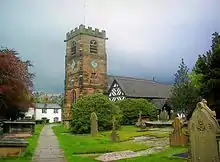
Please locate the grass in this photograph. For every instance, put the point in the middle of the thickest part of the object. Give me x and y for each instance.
(33, 141)
(129, 132)
(85, 144)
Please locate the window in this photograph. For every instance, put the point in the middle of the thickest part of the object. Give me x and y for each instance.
(73, 48)
(80, 80)
(55, 111)
(93, 46)
(44, 111)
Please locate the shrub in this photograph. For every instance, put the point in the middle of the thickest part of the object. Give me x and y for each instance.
(98, 103)
(132, 107)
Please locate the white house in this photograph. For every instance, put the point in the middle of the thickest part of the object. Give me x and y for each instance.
(30, 113)
(46, 111)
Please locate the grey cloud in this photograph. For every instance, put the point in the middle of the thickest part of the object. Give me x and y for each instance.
(146, 38)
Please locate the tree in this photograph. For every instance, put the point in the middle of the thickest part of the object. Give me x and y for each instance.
(132, 107)
(184, 94)
(196, 80)
(15, 84)
(98, 103)
(212, 78)
(208, 67)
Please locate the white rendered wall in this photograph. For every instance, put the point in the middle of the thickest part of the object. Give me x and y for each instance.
(49, 115)
(30, 112)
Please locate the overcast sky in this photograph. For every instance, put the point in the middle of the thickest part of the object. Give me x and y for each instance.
(147, 38)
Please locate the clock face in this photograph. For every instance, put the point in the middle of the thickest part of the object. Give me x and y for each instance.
(73, 64)
(94, 63)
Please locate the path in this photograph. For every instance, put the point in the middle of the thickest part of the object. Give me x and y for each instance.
(48, 149)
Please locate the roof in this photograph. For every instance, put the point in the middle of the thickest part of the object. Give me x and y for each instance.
(159, 103)
(48, 106)
(136, 87)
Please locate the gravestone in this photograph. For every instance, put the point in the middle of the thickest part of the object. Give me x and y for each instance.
(204, 133)
(140, 123)
(94, 124)
(114, 133)
(164, 116)
(18, 127)
(178, 137)
(12, 147)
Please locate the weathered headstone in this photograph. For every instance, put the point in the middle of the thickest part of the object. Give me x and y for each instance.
(178, 137)
(204, 131)
(140, 123)
(164, 116)
(94, 124)
(114, 134)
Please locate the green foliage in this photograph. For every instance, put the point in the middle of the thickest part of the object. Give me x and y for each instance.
(104, 108)
(211, 84)
(208, 68)
(196, 79)
(132, 107)
(184, 94)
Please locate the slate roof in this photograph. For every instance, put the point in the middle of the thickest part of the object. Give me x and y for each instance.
(135, 87)
(159, 103)
(48, 106)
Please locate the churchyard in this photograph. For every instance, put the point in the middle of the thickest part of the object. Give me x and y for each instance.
(132, 144)
(177, 141)
(86, 140)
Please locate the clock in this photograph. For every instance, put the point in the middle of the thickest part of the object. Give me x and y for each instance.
(94, 63)
(73, 64)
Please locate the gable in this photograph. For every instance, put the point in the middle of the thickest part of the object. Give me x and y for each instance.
(115, 92)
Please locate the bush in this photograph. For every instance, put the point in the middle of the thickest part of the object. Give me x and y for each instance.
(98, 103)
(132, 107)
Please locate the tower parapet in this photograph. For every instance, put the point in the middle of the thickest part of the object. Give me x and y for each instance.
(87, 31)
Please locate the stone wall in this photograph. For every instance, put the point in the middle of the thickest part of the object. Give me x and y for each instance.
(81, 76)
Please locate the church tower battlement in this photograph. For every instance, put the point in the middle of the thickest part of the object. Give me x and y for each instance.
(87, 31)
(85, 66)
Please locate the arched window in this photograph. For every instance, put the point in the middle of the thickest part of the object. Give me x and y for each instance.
(73, 48)
(93, 46)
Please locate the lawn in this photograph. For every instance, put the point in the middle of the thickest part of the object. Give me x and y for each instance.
(129, 132)
(33, 141)
(85, 144)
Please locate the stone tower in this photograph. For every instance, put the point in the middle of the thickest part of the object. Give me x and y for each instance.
(85, 66)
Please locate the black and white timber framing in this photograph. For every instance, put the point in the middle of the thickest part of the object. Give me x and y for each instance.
(115, 92)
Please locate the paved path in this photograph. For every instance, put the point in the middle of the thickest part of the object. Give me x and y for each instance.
(48, 149)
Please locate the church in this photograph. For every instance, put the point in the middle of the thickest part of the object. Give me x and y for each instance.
(86, 73)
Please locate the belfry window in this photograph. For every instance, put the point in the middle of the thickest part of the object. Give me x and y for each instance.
(73, 48)
(93, 46)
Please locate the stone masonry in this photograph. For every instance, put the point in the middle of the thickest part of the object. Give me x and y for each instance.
(85, 66)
